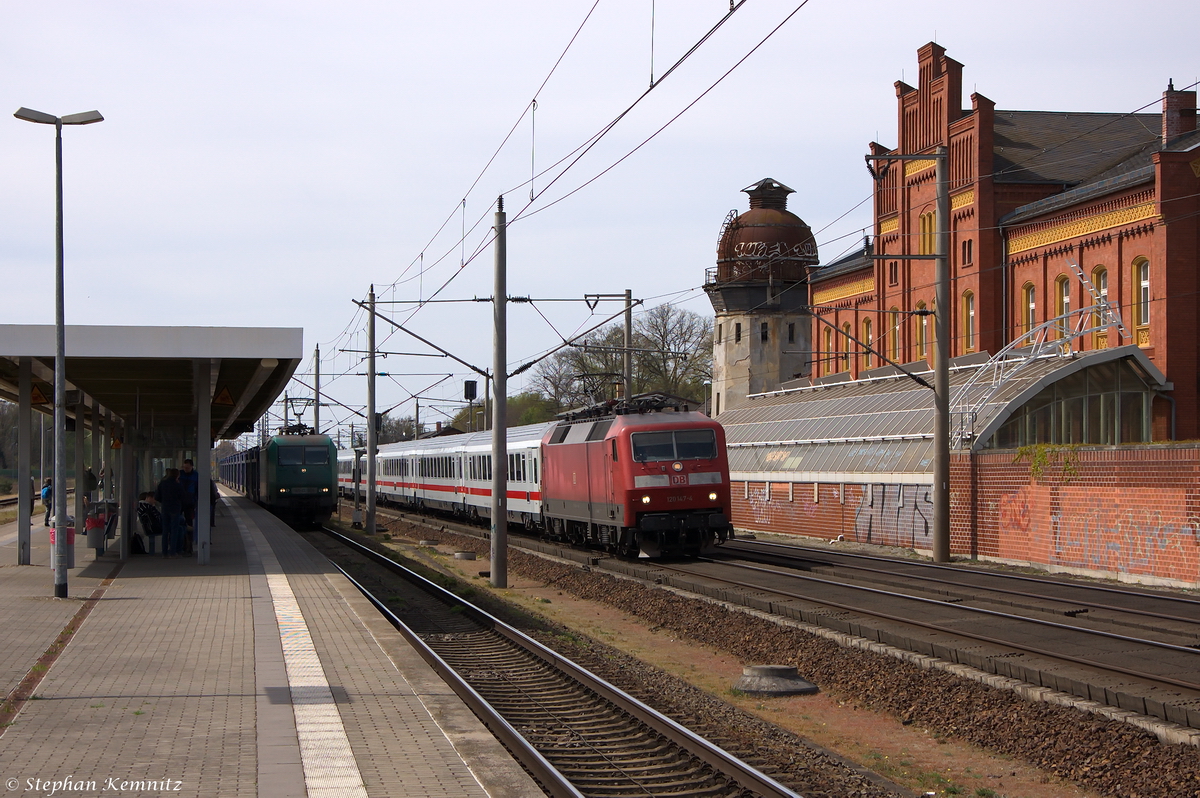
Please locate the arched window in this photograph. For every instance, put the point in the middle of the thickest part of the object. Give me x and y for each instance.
(920, 326)
(1062, 302)
(866, 339)
(1102, 316)
(894, 335)
(927, 233)
(846, 346)
(830, 360)
(1028, 307)
(968, 321)
(1141, 287)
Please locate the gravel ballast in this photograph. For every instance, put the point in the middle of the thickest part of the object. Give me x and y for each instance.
(1102, 755)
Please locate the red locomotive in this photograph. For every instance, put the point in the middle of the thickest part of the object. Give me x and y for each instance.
(646, 477)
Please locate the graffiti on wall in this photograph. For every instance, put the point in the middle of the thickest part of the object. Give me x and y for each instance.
(895, 515)
(1147, 532)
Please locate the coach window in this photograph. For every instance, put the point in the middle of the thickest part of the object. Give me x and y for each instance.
(1141, 308)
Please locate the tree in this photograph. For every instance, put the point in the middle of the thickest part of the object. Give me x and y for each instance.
(529, 407)
(678, 351)
(397, 429)
(673, 354)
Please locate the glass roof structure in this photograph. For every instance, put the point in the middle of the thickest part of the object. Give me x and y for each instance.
(880, 429)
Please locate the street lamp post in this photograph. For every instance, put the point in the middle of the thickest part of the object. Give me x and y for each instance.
(60, 356)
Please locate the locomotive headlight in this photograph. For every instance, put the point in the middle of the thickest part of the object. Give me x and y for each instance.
(712, 497)
(677, 466)
(283, 490)
(324, 490)
(645, 500)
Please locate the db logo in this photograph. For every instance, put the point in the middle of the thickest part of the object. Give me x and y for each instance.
(679, 479)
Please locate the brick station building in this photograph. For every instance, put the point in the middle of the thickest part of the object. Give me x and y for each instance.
(1061, 224)
(1031, 193)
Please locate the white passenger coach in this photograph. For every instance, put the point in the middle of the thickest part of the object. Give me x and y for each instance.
(454, 474)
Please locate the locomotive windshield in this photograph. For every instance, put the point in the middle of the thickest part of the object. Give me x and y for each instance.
(301, 455)
(691, 444)
(291, 455)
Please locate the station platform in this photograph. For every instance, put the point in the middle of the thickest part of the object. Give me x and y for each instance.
(263, 673)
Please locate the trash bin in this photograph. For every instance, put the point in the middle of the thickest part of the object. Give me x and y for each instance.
(95, 532)
(70, 530)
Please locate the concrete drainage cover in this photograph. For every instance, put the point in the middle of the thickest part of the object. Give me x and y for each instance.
(773, 680)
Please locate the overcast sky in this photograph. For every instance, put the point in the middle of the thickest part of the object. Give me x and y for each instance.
(262, 163)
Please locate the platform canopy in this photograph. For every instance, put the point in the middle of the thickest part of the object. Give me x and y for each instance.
(147, 375)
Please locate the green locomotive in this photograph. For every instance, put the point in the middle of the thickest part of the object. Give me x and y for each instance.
(293, 476)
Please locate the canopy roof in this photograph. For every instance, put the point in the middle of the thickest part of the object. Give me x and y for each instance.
(144, 373)
(881, 429)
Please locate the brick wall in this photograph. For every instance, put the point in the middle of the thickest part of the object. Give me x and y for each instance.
(1132, 511)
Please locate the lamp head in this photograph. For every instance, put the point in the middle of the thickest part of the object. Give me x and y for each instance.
(30, 115)
(85, 118)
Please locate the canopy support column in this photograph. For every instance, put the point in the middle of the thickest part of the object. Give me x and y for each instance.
(203, 527)
(24, 479)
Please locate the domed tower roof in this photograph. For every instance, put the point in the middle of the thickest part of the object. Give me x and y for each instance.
(767, 242)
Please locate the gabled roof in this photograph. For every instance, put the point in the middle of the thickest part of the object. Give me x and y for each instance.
(1068, 148)
(852, 262)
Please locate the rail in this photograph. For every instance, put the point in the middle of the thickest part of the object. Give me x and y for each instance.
(719, 760)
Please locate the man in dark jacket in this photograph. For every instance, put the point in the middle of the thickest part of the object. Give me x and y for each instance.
(189, 478)
(170, 496)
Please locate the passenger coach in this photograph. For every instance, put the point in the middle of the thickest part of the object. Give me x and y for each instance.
(652, 479)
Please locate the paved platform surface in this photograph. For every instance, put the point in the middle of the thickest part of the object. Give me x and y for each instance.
(264, 673)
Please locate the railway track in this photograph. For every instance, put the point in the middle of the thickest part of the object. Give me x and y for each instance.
(1136, 651)
(577, 734)
(1170, 617)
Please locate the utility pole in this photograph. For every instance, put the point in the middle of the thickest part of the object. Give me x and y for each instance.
(371, 436)
(499, 422)
(417, 420)
(627, 360)
(317, 390)
(941, 366)
(941, 331)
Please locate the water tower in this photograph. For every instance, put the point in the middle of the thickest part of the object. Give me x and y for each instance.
(759, 289)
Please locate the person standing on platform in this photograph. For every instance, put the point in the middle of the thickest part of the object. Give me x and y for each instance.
(170, 496)
(190, 479)
(150, 519)
(48, 499)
